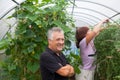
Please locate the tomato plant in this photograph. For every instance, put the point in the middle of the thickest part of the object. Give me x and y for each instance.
(108, 54)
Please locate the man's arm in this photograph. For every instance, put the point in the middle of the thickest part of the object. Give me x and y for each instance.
(67, 71)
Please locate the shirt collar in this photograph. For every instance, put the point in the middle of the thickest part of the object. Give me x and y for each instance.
(51, 51)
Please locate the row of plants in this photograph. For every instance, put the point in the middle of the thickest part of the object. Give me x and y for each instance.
(108, 53)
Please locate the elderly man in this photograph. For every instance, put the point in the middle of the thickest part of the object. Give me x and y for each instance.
(53, 64)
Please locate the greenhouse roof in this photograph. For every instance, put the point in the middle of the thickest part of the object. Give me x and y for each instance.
(84, 12)
(90, 12)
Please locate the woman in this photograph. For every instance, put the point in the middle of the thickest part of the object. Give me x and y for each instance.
(85, 42)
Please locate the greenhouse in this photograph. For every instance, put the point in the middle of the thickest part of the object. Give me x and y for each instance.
(23, 38)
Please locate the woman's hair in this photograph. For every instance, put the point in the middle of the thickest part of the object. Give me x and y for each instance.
(54, 29)
(80, 34)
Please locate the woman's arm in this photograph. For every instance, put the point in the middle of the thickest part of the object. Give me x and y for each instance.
(96, 30)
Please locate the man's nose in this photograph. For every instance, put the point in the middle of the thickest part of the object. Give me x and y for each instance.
(61, 41)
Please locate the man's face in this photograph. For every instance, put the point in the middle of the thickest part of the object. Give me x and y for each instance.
(57, 42)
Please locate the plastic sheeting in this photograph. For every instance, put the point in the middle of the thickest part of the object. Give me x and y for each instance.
(6, 9)
(90, 12)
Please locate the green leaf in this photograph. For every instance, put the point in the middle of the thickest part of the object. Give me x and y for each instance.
(58, 23)
(21, 15)
(37, 39)
(30, 49)
(32, 17)
(77, 69)
(34, 1)
(21, 30)
(4, 43)
(8, 52)
(25, 51)
(33, 67)
(75, 56)
(29, 34)
(64, 27)
(29, 7)
(11, 67)
(68, 43)
(36, 56)
(46, 1)
(38, 22)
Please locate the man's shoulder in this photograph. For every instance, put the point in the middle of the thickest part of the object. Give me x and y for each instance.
(45, 53)
(44, 56)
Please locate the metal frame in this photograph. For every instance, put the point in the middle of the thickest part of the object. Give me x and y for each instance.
(88, 15)
(117, 13)
(94, 11)
(86, 18)
(100, 5)
(18, 5)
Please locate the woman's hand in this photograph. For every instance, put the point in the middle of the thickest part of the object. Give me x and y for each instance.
(98, 27)
(105, 21)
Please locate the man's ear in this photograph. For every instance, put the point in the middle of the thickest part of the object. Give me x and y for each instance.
(49, 41)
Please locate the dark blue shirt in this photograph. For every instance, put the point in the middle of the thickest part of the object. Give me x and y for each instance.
(50, 62)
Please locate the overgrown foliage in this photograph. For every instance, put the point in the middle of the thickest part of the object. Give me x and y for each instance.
(108, 53)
